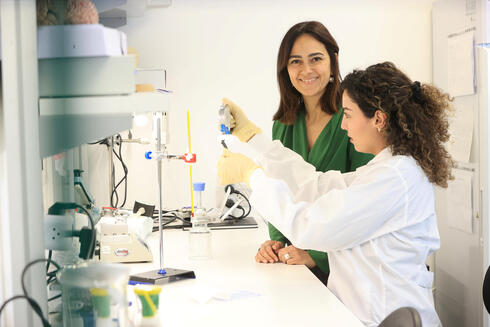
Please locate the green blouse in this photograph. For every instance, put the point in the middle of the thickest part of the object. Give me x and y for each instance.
(331, 151)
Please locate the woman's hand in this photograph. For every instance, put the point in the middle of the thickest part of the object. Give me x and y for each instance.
(243, 128)
(268, 252)
(291, 255)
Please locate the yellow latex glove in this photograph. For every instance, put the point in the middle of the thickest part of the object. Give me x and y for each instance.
(235, 168)
(244, 129)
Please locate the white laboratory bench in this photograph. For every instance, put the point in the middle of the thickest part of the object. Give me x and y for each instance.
(281, 295)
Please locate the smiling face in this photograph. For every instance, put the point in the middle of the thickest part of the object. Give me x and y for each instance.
(309, 66)
(363, 131)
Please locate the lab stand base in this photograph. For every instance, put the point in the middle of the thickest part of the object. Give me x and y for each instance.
(153, 277)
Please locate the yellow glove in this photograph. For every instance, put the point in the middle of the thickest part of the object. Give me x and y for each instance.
(235, 168)
(244, 129)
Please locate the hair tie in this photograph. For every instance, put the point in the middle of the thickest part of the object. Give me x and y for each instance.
(416, 91)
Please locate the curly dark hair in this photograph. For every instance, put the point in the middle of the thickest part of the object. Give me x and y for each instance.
(291, 100)
(417, 122)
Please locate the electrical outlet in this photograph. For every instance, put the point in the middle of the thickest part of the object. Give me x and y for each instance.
(58, 232)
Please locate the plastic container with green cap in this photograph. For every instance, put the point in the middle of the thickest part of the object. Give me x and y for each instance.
(94, 291)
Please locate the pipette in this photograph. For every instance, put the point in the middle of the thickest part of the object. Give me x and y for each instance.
(224, 121)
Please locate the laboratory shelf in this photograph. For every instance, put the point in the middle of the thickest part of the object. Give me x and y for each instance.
(133, 8)
(106, 104)
(114, 13)
(105, 5)
(60, 133)
(68, 122)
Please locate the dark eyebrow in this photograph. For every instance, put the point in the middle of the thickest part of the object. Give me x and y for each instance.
(345, 108)
(310, 55)
(315, 54)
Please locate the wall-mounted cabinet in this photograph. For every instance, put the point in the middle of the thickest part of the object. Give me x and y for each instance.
(87, 86)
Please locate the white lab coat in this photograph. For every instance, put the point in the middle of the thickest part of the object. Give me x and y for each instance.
(378, 225)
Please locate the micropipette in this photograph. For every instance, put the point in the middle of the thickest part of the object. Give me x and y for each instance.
(224, 121)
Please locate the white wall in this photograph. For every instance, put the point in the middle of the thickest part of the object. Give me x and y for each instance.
(217, 48)
(460, 263)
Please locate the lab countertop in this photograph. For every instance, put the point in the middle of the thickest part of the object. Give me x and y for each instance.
(246, 293)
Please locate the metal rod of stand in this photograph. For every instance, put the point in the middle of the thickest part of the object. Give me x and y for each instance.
(159, 171)
(161, 275)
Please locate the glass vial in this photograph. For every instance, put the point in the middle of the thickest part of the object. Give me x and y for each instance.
(200, 241)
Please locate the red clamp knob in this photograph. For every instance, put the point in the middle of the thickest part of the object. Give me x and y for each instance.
(189, 157)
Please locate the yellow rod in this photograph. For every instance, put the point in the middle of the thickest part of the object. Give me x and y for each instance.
(190, 165)
(189, 130)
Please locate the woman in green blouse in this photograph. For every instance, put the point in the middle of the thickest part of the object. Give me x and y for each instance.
(308, 122)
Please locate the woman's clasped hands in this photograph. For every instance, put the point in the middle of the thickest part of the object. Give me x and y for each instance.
(275, 251)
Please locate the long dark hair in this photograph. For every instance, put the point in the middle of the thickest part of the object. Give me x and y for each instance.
(291, 99)
(417, 122)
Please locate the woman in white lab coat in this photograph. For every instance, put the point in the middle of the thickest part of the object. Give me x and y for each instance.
(378, 224)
